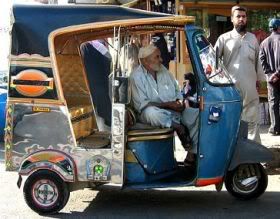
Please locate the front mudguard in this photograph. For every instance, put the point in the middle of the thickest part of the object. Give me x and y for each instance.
(248, 151)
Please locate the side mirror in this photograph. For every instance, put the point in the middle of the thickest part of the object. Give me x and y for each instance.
(217, 58)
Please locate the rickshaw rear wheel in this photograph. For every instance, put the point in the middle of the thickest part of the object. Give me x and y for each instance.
(45, 192)
(247, 181)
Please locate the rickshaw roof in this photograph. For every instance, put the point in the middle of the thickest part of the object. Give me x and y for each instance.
(34, 23)
(80, 33)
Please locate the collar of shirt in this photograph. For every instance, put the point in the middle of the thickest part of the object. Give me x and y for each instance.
(274, 33)
(145, 71)
(234, 33)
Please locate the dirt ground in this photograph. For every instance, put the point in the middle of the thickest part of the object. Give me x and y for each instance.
(273, 143)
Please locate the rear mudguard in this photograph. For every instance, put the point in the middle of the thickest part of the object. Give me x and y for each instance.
(248, 151)
(51, 160)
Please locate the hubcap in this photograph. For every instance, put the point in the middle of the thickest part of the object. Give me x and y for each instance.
(244, 180)
(45, 193)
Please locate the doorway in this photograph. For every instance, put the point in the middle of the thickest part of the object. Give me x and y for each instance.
(218, 25)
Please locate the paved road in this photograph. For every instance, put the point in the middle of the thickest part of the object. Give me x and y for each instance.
(180, 203)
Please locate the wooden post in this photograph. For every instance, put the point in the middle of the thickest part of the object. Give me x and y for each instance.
(148, 4)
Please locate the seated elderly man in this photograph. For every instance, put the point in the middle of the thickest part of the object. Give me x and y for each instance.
(156, 95)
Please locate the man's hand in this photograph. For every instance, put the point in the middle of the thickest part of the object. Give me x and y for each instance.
(177, 105)
(273, 78)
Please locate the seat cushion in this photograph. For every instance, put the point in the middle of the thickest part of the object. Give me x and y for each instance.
(95, 140)
(142, 132)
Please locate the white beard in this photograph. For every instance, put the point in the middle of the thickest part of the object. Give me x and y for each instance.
(156, 67)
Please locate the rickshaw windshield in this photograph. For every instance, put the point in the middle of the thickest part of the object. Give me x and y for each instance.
(208, 58)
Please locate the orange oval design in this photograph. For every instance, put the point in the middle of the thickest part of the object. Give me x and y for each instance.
(31, 90)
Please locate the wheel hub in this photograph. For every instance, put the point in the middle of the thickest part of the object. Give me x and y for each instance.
(249, 181)
(245, 180)
(45, 193)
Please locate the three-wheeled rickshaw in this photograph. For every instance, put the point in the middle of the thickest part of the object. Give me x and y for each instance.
(59, 97)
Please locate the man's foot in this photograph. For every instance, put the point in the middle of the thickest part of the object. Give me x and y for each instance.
(190, 160)
(183, 135)
(273, 133)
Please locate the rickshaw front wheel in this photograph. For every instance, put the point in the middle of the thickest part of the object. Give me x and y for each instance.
(247, 181)
(45, 192)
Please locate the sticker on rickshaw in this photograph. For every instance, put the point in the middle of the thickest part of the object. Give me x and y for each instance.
(31, 83)
(41, 109)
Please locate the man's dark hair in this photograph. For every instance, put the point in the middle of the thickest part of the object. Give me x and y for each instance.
(238, 8)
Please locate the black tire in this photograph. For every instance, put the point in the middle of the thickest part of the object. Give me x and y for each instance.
(35, 192)
(259, 180)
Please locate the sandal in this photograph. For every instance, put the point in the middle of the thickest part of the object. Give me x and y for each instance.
(187, 146)
(190, 160)
(184, 136)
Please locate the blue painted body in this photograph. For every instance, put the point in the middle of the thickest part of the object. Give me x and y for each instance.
(216, 139)
(135, 173)
(155, 160)
(3, 99)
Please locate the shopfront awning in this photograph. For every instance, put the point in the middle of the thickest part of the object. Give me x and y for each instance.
(254, 4)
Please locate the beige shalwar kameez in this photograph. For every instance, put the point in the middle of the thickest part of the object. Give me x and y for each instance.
(240, 55)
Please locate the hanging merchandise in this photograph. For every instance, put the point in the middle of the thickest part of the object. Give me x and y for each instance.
(164, 6)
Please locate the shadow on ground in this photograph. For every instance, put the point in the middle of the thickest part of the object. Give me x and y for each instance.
(174, 204)
(273, 167)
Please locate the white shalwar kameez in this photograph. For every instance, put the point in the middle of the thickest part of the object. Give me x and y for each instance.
(145, 89)
(240, 55)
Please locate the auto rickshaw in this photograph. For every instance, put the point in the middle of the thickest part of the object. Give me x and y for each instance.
(57, 98)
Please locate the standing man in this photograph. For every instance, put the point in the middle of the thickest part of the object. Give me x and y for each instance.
(239, 51)
(270, 60)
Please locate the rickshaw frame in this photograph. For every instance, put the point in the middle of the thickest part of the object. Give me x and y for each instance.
(117, 165)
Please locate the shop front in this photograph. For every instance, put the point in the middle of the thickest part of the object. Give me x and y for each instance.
(214, 16)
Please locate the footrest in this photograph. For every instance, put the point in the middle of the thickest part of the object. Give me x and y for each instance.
(96, 140)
